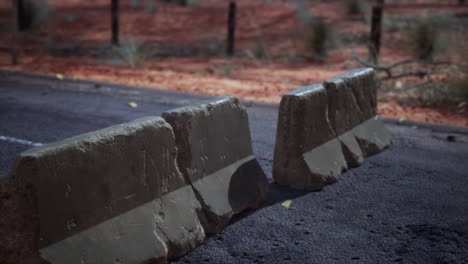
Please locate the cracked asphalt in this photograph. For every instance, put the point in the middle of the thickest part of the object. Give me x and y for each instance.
(408, 204)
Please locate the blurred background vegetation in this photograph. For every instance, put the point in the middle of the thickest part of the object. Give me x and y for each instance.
(314, 36)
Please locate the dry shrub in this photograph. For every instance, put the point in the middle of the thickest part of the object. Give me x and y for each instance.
(131, 53)
(424, 38)
(354, 7)
(317, 37)
(210, 45)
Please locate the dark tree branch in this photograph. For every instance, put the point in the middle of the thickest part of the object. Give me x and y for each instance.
(421, 73)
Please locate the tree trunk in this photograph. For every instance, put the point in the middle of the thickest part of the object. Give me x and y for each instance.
(115, 21)
(20, 14)
(376, 31)
(231, 28)
(14, 32)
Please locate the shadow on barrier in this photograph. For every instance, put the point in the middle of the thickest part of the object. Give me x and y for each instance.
(239, 193)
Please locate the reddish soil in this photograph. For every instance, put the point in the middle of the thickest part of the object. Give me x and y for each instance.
(74, 42)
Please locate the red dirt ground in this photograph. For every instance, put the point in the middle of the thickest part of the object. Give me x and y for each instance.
(84, 26)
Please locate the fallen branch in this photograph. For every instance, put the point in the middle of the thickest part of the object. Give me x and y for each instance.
(421, 73)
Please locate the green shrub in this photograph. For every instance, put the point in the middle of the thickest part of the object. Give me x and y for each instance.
(452, 89)
(257, 51)
(226, 69)
(50, 46)
(424, 38)
(461, 88)
(187, 2)
(394, 23)
(131, 53)
(71, 18)
(135, 3)
(354, 7)
(317, 36)
(458, 84)
(150, 7)
(210, 46)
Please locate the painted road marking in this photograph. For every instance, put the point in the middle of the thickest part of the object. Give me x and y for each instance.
(20, 141)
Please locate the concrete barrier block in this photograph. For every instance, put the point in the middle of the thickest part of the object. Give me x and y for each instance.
(343, 110)
(215, 156)
(372, 136)
(362, 84)
(109, 196)
(351, 149)
(323, 130)
(307, 154)
(352, 102)
(344, 113)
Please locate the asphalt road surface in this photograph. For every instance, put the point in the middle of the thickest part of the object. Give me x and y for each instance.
(408, 204)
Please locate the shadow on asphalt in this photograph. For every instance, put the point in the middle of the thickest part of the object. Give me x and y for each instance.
(276, 194)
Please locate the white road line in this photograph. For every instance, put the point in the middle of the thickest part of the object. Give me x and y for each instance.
(20, 141)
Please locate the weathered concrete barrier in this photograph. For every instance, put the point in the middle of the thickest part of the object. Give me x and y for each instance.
(307, 154)
(111, 196)
(117, 195)
(324, 129)
(352, 104)
(215, 156)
